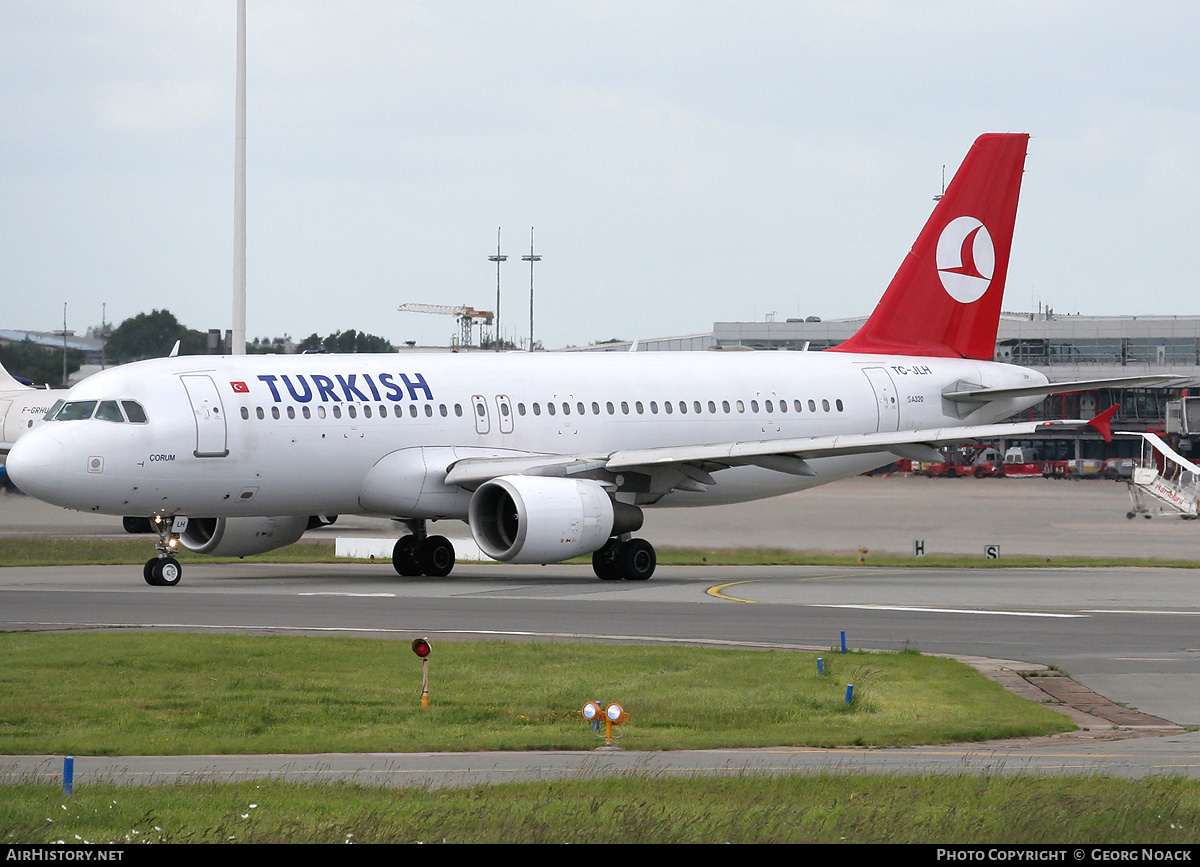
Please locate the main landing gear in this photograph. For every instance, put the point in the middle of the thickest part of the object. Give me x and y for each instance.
(631, 559)
(163, 570)
(420, 554)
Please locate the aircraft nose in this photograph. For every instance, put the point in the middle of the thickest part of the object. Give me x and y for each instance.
(35, 464)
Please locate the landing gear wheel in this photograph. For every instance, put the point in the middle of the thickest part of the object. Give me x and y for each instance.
(435, 556)
(604, 561)
(636, 560)
(162, 572)
(404, 557)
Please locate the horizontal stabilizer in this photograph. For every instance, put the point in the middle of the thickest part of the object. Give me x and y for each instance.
(985, 395)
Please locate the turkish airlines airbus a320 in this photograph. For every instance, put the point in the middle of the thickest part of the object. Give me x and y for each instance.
(550, 456)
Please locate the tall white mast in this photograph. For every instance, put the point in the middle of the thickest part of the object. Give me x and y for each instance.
(239, 193)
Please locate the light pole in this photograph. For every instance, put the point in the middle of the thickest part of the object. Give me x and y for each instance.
(531, 258)
(498, 258)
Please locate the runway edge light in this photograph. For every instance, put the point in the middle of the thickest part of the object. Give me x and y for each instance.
(422, 648)
(613, 715)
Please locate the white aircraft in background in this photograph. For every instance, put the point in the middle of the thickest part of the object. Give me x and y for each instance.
(22, 407)
(551, 456)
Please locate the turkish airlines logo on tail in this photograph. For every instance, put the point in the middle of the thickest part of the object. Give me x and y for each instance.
(966, 259)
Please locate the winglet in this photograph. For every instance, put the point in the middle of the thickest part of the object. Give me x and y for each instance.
(1103, 422)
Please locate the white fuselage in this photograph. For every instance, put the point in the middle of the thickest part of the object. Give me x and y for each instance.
(297, 435)
(21, 410)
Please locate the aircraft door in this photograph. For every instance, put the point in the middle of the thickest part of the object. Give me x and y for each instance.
(4, 405)
(504, 410)
(887, 403)
(483, 424)
(211, 433)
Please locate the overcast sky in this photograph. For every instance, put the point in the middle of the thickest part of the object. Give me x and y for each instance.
(682, 162)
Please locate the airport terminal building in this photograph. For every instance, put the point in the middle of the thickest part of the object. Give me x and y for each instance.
(1063, 347)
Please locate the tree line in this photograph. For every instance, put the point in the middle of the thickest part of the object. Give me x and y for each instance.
(153, 334)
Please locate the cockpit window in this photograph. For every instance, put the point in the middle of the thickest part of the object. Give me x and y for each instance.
(109, 411)
(50, 412)
(134, 410)
(76, 410)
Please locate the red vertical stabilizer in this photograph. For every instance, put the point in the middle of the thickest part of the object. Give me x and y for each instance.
(945, 299)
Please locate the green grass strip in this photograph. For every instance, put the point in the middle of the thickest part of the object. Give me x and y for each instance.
(820, 808)
(123, 693)
(83, 551)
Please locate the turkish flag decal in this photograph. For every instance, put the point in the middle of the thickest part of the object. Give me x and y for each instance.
(240, 387)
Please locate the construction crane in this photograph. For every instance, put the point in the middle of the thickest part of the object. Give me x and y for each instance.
(466, 317)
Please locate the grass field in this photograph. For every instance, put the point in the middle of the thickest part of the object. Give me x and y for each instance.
(822, 808)
(123, 693)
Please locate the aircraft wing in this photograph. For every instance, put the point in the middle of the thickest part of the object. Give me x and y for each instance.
(983, 395)
(782, 455)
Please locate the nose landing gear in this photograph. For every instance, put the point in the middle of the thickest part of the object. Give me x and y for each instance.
(163, 570)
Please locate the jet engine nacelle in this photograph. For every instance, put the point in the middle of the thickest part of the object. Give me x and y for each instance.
(241, 537)
(534, 519)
